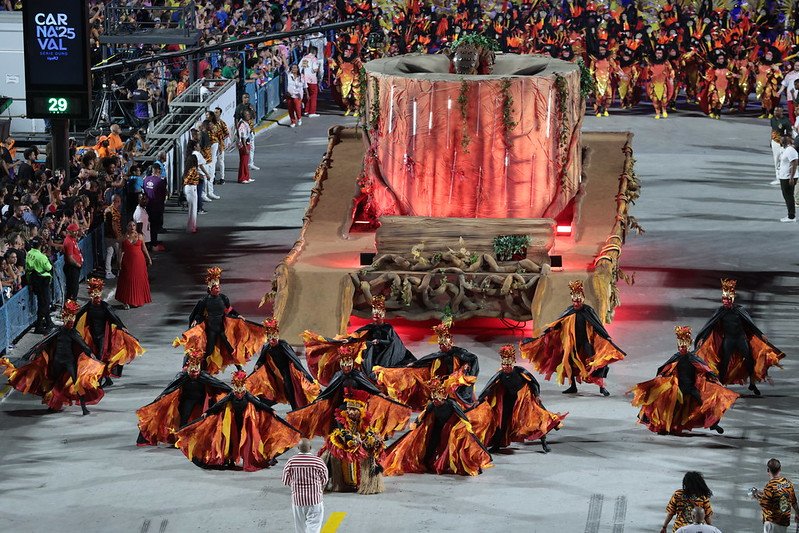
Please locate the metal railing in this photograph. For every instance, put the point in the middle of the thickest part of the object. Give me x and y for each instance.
(18, 313)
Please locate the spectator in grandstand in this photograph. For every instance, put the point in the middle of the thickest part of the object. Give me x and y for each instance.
(115, 142)
(141, 103)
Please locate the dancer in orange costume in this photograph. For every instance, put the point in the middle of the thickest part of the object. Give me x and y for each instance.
(186, 398)
(61, 368)
(443, 439)
(661, 78)
(239, 427)
(279, 376)
(733, 346)
(354, 448)
(684, 395)
(715, 84)
(219, 331)
(318, 418)
(518, 414)
(602, 66)
(627, 74)
(576, 347)
(104, 332)
(376, 343)
(407, 384)
(768, 76)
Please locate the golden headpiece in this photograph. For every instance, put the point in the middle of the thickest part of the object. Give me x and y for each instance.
(442, 332)
(576, 289)
(356, 398)
(213, 276)
(728, 288)
(271, 326)
(194, 359)
(507, 355)
(347, 353)
(683, 335)
(70, 309)
(239, 378)
(379, 305)
(96, 287)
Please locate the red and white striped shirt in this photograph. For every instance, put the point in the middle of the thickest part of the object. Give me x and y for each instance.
(306, 474)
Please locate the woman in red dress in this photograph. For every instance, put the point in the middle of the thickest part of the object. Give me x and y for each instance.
(133, 287)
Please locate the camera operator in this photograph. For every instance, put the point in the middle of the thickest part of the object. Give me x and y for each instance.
(776, 500)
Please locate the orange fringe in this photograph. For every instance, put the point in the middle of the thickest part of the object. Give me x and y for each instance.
(554, 352)
(244, 337)
(322, 354)
(764, 355)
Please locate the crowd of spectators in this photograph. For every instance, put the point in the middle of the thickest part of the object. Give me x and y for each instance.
(102, 185)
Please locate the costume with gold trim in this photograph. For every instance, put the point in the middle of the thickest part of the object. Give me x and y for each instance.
(353, 449)
(443, 439)
(684, 395)
(239, 428)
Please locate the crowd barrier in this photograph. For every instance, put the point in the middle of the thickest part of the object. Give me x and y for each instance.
(18, 313)
(264, 98)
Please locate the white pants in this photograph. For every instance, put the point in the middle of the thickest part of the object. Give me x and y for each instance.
(219, 171)
(776, 149)
(252, 149)
(771, 527)
(209, 187)
(191, 198)
(111, 248)
(308, 519)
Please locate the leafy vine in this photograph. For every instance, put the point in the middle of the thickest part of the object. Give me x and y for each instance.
(374, 119)
(508, 123)
(463, 105)
(362, 93)
(587, 82)
(562, 103)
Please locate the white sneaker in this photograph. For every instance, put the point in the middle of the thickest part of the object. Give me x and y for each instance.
(253, 167)
(314, 115)
(299, 122)
(214, 196)
(206, 199)
(786, 219)
(109, 275)
(293, 125)
(775, 182)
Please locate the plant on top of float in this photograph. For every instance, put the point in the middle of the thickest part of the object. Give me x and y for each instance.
(473, 54)
(511, 247)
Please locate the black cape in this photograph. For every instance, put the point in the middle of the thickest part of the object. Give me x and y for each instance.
(390, 352)
(466, 393)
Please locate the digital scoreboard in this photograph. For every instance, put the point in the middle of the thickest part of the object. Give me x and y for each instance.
(57, 77)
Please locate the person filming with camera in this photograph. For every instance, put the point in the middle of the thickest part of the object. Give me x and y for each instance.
(776, 500)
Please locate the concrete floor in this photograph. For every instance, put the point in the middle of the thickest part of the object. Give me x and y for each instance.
(709, 211)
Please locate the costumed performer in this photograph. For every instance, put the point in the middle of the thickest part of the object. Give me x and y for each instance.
(378, 345)
(409, 385)
(684, 395)
(61, 368)
(279, 376)
(216, 328)
(733, 346)
(239, 427)
(186, 398)
(318, 418)
(353, 449)
(576, 347)
(105, 333)
(443, 439)
(513, 395)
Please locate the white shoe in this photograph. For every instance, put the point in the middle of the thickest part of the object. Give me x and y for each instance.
(109, 275)
(214, 196)
(206, 199)
(299, 122)
(253, 167)
(786, 219)
(314, 115)
(775, 182)
(293, 125)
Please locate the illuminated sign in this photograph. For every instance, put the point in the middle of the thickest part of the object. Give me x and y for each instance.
(57, 80)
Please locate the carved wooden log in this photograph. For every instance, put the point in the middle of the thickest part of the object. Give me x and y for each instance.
(398, 235)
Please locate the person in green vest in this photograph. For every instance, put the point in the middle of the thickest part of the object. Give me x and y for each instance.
(38, 270)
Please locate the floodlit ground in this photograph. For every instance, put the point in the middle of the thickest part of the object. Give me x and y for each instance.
(709, 212)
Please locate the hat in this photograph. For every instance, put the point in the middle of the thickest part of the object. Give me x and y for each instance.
(507, 354)
(356, 398)
(96, 286)
(213, 276)
(728, 288)
(576, 288)
(73, 227)
(683, 335)
(70, 309)
(442, 332)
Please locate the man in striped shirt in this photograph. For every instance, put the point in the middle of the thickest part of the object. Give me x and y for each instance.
(306, 474)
